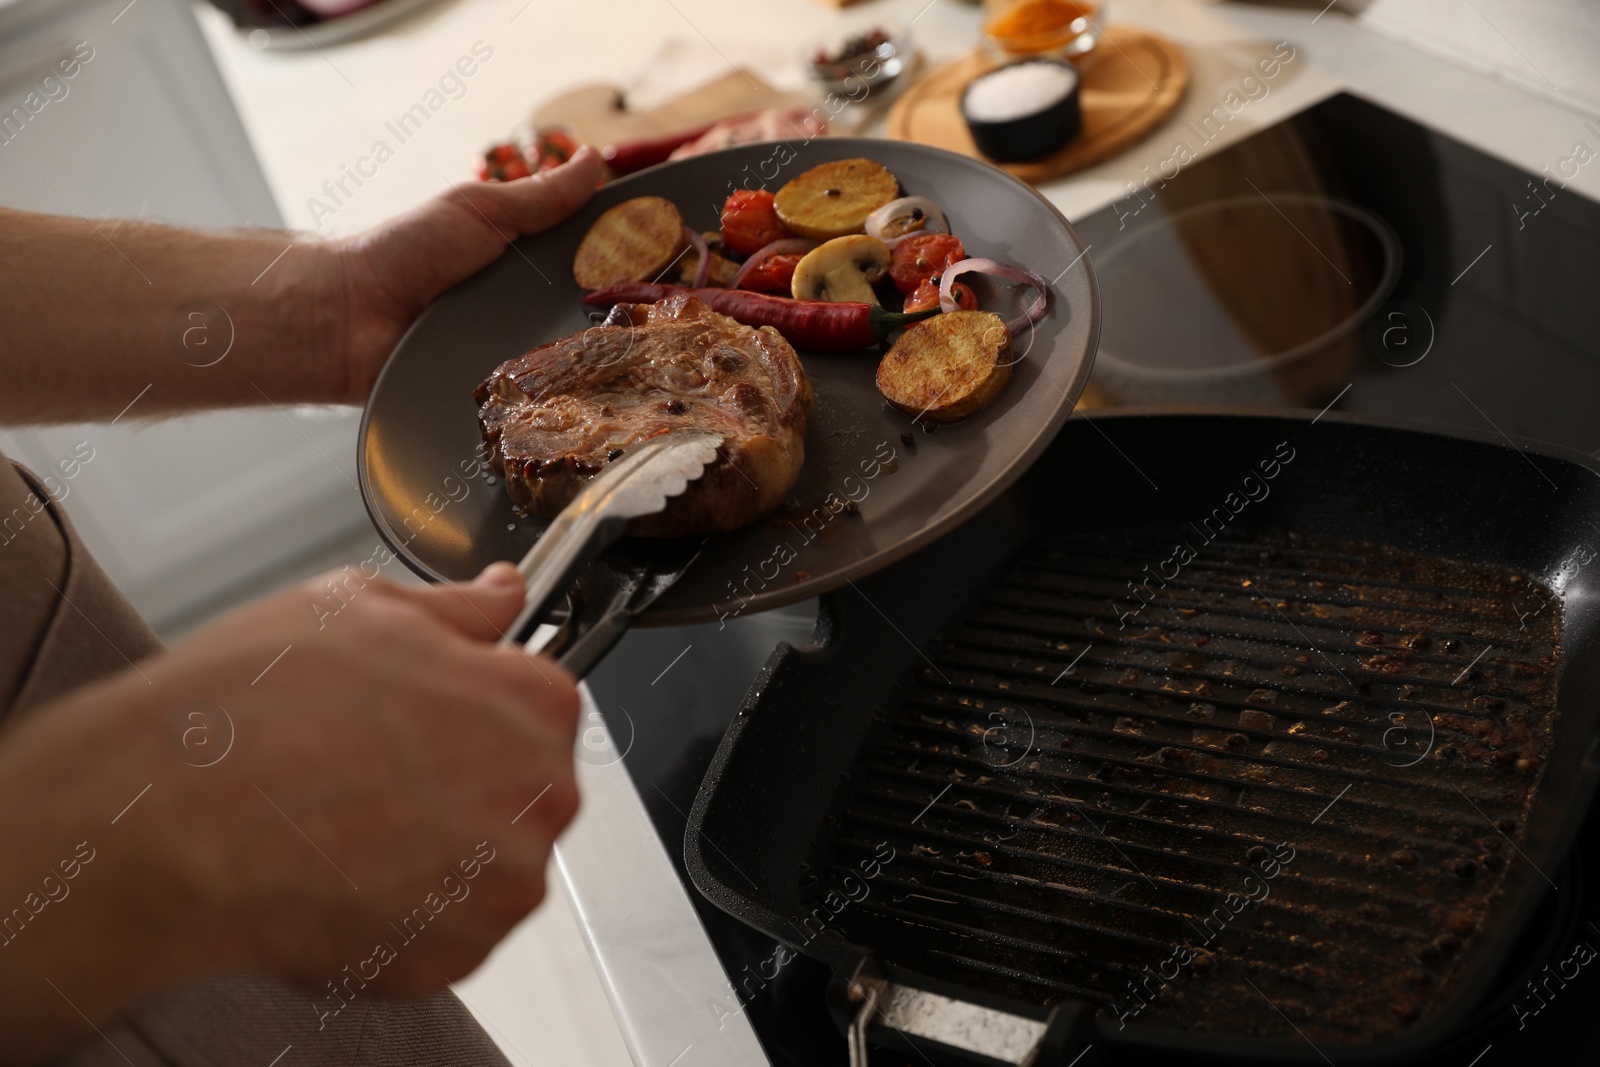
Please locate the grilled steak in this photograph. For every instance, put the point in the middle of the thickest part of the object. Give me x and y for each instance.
(554, 418)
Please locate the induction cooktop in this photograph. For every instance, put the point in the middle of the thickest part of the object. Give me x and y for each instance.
(1477, 308)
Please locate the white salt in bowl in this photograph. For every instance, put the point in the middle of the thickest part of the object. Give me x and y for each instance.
(1024, 110)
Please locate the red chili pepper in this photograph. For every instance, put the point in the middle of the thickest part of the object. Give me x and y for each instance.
(629, 156)
(821, 325)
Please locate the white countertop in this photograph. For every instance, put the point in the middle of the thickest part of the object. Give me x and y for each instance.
(313, 113)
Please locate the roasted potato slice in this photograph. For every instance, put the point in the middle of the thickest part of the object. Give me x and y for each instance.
(947, 367)
(632, 242)
(834, 199)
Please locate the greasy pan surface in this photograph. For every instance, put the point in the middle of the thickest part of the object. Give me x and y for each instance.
(779, 786)
(430, 497)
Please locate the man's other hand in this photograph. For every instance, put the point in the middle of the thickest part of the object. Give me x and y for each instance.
(394, 270)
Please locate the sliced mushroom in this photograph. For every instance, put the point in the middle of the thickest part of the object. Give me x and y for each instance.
(842, 269)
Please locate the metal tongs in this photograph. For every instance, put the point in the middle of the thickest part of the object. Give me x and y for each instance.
(602, 601)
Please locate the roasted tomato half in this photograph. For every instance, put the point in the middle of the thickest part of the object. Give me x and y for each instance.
(775, 274)
(749, 221)
(553, 148)
(918, 258)
(926, 296)
(503, 163)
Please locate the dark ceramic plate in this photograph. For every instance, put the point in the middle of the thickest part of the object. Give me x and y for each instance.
(419, 448)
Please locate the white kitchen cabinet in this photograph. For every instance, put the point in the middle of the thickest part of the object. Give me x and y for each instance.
(177, 511)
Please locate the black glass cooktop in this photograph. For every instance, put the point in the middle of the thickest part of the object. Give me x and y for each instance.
(1345, 255)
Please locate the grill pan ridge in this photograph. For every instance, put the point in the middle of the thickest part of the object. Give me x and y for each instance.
(1088, 823)
(823, 760)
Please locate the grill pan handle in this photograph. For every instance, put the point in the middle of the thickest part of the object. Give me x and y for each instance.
(904, 1015)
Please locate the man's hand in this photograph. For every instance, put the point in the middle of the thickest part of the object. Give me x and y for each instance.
(278, 318)
(377, 789)
(394, 270)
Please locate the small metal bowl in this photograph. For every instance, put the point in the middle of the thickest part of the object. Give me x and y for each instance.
(869, 70)
(1031, 136)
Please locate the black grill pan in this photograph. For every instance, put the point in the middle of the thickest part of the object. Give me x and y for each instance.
(782, 805)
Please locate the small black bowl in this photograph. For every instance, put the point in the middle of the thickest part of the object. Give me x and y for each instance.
(1031, 136)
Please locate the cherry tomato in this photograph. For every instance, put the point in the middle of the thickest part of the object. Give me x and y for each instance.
(750, 222)
(554, 147)
(775, 274)
(926, 295)
(503, 163)
(916, 258)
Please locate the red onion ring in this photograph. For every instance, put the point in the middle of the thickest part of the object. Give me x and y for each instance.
(782, 246)
(703, 271)
(932, 218)
(1035, 311)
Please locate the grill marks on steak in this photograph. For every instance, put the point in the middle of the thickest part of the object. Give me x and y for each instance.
(556, 416)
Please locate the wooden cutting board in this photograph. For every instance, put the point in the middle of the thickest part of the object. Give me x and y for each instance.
(1131, 83)
(599, 114)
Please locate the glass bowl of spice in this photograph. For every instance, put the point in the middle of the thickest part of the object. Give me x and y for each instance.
(1061, 29)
